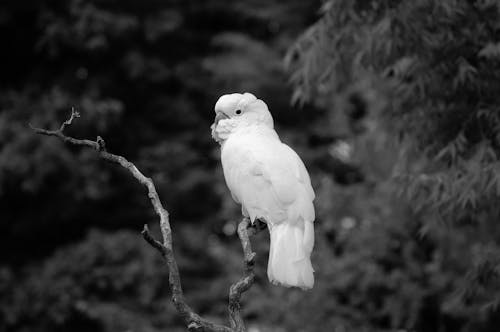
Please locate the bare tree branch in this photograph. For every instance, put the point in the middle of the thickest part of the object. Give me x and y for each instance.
(193, 321)
(245, 282)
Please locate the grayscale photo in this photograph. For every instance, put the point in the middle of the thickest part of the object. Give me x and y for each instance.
(250, 166)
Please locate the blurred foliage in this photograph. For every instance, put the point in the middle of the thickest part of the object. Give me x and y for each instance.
(398, 128)
(420, 79)
(425, 71)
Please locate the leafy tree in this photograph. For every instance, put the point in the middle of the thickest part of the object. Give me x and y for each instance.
(420, 79)
(427, 72)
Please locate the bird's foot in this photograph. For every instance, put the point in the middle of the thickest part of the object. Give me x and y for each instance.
(258, 225)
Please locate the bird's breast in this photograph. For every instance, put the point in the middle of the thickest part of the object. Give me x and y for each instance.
(252, 140)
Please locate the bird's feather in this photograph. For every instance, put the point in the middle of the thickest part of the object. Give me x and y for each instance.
(270, 181)
(267, 176)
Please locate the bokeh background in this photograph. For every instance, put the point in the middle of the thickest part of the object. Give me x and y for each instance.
(393, 106)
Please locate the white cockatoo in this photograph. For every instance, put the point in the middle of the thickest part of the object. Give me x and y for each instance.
(270, 182)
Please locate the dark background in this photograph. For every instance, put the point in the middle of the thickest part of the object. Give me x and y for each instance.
(393, 106)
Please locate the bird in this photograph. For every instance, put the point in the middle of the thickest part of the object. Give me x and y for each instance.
(271, 183)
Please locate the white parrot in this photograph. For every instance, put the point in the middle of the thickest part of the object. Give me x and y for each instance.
(270, 182)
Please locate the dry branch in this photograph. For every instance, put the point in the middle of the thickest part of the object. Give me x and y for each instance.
(193, 321)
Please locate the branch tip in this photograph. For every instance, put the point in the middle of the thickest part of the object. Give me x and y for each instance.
(74, 114)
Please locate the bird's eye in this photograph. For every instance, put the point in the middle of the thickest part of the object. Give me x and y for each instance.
(238, 111)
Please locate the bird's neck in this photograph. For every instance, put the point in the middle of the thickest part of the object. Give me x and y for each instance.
(227, 132)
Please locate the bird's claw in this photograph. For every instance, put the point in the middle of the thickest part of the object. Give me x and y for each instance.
(260, 224)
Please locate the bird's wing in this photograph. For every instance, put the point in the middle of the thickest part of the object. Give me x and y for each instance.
(269, 180)
(301, 173)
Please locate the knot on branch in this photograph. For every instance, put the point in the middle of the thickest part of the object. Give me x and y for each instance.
(101, 144)
(250, 260)
(193, 326)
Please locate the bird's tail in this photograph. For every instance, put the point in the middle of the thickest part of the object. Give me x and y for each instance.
(289, 256)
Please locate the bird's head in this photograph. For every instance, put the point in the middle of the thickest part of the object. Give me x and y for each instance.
(237, 110)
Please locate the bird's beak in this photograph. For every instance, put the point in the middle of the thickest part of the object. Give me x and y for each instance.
(218, 116)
